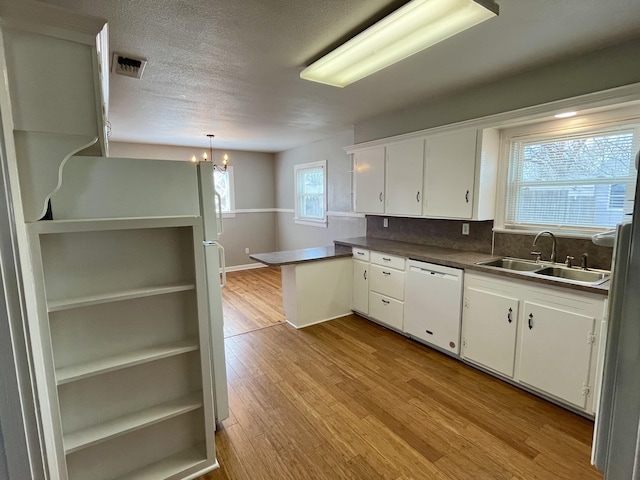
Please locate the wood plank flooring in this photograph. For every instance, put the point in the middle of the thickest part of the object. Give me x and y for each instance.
(252, 300)
(348, 399)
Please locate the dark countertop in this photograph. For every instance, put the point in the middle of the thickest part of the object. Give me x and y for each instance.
(459, 259)
(292, 257)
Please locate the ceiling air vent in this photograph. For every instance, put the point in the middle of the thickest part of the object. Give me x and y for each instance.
(128, 65)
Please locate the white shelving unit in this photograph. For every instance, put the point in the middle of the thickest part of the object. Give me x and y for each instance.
(123, 327)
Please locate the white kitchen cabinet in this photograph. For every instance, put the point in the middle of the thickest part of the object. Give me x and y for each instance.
(123, 353)
(388, 281)
(550, 346)
(404, 172)
(57, 74)
(490, 325)
(460, 174)
(360, 301)
(386, 310)
(369, 180)
(555, 351)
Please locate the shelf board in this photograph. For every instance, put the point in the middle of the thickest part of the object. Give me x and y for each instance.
(125, 360)
(187, 459)
(129, 423)
(77, 302)
(100, 224)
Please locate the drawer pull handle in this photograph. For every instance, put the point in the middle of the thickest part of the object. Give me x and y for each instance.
(418, 197)
(386, 273)
(429, 332)
(380, 196)
(466, 197)
(360, 253)
(386, 259)
(509, 319)
(365, 274)
(530, 321)
(386, 302)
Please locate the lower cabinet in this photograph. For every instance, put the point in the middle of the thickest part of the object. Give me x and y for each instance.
(386, 310)
(555, 352)
(360, 287)
(541, 337)
(490, 326)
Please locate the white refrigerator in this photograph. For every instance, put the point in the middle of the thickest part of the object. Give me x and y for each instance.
(211, 213)
(616, 446)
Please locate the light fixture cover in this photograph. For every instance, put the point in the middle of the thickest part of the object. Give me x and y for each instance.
(413, 27)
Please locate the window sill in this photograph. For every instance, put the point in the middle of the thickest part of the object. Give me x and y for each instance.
(311, 223)
(557, 232)
(229, 215)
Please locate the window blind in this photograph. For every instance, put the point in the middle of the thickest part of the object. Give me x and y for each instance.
(583, 181)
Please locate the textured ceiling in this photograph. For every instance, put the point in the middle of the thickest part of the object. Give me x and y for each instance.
(231, 67)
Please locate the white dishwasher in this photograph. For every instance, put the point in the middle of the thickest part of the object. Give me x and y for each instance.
(433, 305)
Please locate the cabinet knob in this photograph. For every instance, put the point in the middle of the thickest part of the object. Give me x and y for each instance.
(530, 321)
(509, 319)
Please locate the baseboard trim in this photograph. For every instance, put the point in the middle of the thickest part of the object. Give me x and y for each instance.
(248, 266)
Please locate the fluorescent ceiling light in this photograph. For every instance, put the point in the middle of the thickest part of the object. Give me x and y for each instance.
(566, 114)
(410, 29)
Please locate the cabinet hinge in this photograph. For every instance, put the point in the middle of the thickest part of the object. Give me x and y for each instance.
(464, 343)
(586, 389)
(466, 303)
(591, 338)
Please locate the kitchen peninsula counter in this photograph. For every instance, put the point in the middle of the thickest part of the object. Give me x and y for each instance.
(316, 283)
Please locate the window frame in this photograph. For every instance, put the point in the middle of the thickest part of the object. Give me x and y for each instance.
(608, 120)
(308, 221)
(232, 197)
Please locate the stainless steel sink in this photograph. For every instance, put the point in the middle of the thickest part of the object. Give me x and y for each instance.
(513, 264)
(584, 276)
(552, 271)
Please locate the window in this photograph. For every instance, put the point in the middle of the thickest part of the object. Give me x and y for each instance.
(223, 182)
(582, 182)
(310, 191)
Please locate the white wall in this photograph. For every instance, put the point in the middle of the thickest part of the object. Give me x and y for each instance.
(341, 223)
(574, 76)
(254, 190)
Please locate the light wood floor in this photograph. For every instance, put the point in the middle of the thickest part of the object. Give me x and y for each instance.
(348, 399)
(252, 300)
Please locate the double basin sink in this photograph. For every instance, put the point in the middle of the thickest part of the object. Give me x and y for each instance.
(555, 271)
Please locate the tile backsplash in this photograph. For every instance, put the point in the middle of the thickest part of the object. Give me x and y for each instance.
(448, 234)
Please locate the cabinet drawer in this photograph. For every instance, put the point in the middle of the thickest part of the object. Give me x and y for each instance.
(387, 260)
(387, 310)
(387, 281)
(361, 254)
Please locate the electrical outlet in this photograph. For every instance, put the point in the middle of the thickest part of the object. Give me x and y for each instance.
(246, 250)
(465, 229)
(385, 222)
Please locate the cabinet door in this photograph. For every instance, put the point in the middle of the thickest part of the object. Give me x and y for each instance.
(360, 287)
(450, 175)
(489, 325)
(404, 174)
(369, 180)
(555, 351)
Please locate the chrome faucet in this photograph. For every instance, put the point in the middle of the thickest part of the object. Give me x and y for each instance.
(553, 247)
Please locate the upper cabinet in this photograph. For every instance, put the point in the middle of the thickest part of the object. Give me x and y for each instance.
(404, 169)
(41, 47)
(447, 175)
(369, 180)
(460, 174)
